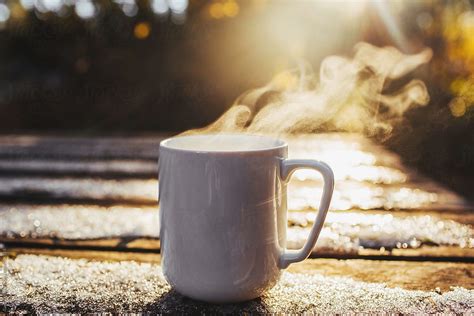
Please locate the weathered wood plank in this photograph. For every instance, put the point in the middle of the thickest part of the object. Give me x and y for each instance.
(134, 245)
(404, 274)
(108, 169)
(344, 235)
(152, 246)
(49, 146)
(93, 255)
(370, 178)
(367, 175)
(351, 195)
(72, 190)
(301, 196)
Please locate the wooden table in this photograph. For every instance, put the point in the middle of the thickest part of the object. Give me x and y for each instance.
(79, 226)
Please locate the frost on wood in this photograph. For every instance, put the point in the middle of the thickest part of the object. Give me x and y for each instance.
(78, 222)
(346, 231)
(342, 232)
(53, 284)
(301, 195)
(74, 188)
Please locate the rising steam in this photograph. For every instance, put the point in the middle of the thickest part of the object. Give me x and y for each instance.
(347, 96)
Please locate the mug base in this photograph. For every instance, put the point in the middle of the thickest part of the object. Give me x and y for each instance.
(220, 298)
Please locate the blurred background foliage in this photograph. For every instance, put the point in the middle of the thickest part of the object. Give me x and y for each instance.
(102, 67)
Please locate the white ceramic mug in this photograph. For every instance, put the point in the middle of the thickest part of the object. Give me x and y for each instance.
(223, 214)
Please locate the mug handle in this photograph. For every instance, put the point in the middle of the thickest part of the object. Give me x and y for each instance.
(288, 166)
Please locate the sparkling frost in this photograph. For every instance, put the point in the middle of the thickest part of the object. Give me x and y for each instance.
(342, 232)
(53, 284)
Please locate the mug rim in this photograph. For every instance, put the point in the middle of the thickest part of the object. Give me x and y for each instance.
(279, 143)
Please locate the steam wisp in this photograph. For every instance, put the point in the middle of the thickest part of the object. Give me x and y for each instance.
(346, 96)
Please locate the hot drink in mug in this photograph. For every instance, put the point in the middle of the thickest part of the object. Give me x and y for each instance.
(223, 214)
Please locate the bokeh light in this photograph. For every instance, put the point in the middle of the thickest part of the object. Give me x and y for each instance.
(160, 7)
(178, 6)
(216, 10)
(49, 5)
(85, 9)
(142, 30)
(27, 4)
(129, 7)
(4, 13)
(219, 10)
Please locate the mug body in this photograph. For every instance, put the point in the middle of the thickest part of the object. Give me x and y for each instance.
(222, 215)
